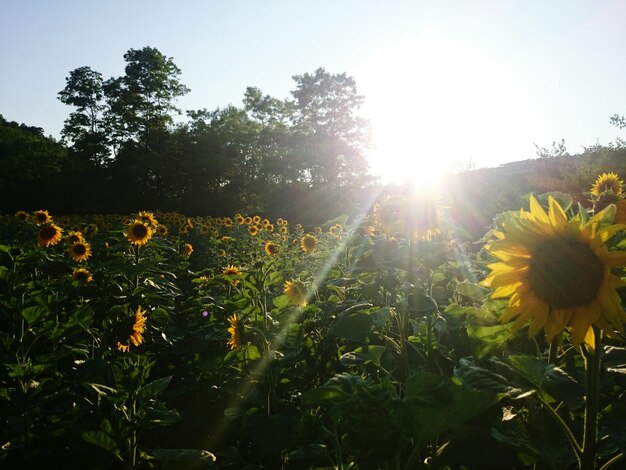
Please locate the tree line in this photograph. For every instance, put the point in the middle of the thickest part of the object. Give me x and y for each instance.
(122, 149)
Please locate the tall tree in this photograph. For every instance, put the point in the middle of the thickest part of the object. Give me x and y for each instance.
(85, 127)
(141, 102)
(334, 136)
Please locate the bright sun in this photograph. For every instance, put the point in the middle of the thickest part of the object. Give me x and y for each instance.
(434, 105)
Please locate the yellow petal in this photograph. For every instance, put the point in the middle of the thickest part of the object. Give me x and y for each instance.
(556, 213)
(590, 339)
(537, 210)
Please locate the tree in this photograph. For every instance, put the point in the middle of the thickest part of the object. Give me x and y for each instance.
(141, 102)
(85, 127)
(334, 137)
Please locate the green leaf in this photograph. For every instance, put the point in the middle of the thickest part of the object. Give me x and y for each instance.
(472, 291)
(160, 316)
(438, 404)
(182, 459)
(281, 301)
(363, 355)
(381, 316)
(353, 326)
(552, 382)
(155, 388)
(34, 313)
(102, 440)
(488, 338)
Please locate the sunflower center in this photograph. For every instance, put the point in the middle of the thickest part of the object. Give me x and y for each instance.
(565, 273)
(80, 249)
(48, 233)
(140, 231)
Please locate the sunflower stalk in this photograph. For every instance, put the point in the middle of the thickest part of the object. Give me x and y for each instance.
(592, 392)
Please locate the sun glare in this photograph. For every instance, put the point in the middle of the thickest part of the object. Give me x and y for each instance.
(433, 102)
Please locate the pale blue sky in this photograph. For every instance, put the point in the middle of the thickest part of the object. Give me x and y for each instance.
(444, 81)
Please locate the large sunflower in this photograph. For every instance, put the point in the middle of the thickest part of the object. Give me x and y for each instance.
(296, 291)
(607, 182)
(49, 234)
(138, 232)
(557, 273)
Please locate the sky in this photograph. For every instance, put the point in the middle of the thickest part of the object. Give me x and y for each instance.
(446, 84)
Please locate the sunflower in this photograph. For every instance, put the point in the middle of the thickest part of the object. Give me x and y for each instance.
(136, 337)
(161, 230)
(139, 327)
(253, 230)
(231, 270)
(240, 219)
(49, 234)
(256, 219)
(235, 330)
(42, 217)
(74, 237)
(22, 216)
(82, 275)
(284, 230)
(557, 273)
(270, 248)
(221, 253)
(79, 251)
(139, 232)
(296, 291)
(308, 243)
(607, 182)
(148, 218)
(188, 249)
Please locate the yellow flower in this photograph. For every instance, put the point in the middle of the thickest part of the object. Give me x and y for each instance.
(21, 216)
(607, 182)
(74, 237)
(308, 243)
(79, 251)
(271, 249)
(284, 230)
(139, 232)
(161, 230)
(49, 234)
(42, 217)
(136, 337)
(221, 253)
(82, 275)
(188, 249)
(240, 219)
(235, 330)
(296, 291)
(231, 270)
(253, 230)
(148, 218)
(557, 273)
(248, 220)
(256, 219)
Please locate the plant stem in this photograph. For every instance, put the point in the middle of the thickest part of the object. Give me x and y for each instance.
(592, 374)
(614, 460)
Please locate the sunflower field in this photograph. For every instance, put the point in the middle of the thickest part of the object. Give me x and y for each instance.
(391, 341)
